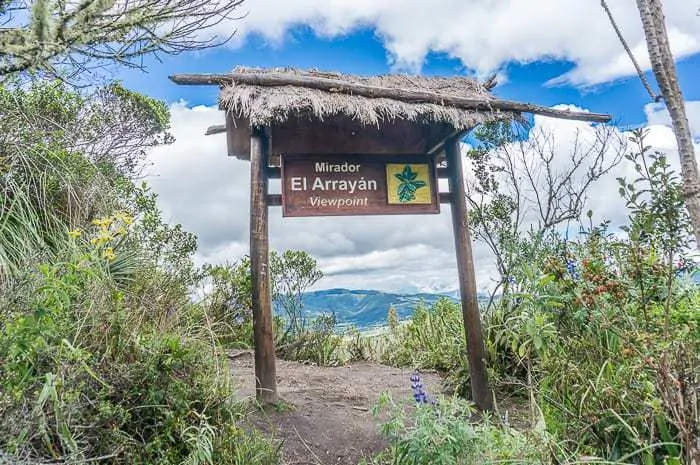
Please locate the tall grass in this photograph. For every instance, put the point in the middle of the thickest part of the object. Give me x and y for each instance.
(45, 192)
(103, 357)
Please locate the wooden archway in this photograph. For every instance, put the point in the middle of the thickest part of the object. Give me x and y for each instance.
(427, 125)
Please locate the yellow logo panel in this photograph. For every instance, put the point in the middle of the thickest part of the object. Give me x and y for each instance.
(408, 183)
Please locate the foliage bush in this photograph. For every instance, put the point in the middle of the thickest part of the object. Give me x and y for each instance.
(606, 343)
(610, 310)
(600, 334)
(86, 375)
(432, 339)
(585, 383)
(227, 290)
(449, 433)
(103, 355)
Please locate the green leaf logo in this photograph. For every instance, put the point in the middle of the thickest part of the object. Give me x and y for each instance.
(406, 190)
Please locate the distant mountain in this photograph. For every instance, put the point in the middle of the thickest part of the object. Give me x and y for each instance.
(365, 308)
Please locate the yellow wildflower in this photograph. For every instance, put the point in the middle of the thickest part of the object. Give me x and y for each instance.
(124, 217)
(74, 233)
(102, 222)
(109, 254)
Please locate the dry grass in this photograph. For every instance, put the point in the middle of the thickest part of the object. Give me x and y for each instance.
(270, 105)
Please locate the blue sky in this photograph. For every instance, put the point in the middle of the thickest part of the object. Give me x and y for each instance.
(362, 52)
(528, 44)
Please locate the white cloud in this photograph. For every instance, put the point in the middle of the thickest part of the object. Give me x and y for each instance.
(658, 115)
(208, 192)
(560, 139)
(603, 198)
(484, 34)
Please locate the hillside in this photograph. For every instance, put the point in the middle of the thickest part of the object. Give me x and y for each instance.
(366, 308)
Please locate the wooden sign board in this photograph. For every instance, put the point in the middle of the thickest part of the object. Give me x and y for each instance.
(338, 185)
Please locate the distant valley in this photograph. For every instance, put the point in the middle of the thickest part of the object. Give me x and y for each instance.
(367, 308)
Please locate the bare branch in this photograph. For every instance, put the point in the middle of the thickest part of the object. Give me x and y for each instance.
(80, 37)
(538, 186)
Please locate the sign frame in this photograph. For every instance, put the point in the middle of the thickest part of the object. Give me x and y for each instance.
(377, 164)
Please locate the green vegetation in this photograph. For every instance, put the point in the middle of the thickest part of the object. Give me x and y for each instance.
(443, 434)
(103, 355)
(599, 338)
(296, 337)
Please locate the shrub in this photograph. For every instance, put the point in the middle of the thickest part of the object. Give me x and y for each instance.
(86, 375)
(432, 339)
(448, 433)
(103, 355)
(227, 294)
(318, 344)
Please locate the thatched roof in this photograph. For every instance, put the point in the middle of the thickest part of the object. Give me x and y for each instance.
(270, 105)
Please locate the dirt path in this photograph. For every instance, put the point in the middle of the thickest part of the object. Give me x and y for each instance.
(330, 422)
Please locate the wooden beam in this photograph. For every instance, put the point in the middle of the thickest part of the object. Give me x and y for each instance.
(275, 172)
(341, 135)
(275, 200)
(238, 136)
(216, 129)
(440, 146)
(478, 377)
(233, 137)
(265, 372)
(404, 95)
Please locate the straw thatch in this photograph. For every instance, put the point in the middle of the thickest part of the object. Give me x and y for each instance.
(274, 105)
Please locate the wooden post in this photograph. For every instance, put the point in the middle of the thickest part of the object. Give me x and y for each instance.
(265, 373)
(481, 393)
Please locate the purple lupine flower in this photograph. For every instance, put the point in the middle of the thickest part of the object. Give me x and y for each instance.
(419, 393)
(571, 268)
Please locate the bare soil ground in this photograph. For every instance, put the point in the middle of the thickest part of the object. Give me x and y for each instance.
(329, 421)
